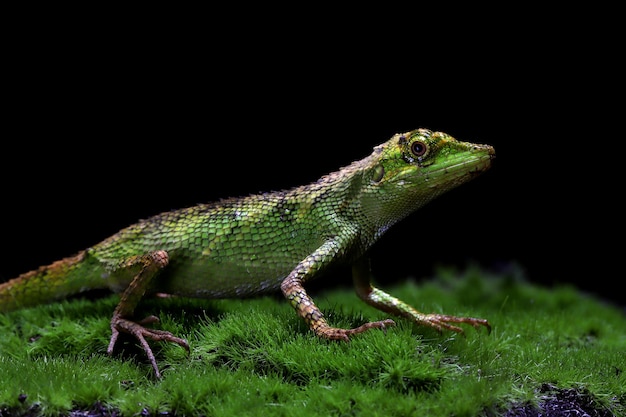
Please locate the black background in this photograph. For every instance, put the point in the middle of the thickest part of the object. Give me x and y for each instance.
(103, 128)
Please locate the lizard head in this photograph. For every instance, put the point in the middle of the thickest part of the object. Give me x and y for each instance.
(412, 168)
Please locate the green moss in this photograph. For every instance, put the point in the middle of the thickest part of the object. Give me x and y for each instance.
(256, 357)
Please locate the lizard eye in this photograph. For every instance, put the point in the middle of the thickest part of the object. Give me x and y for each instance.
(418, 148)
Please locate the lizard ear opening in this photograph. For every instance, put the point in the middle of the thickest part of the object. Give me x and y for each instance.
(378, 173)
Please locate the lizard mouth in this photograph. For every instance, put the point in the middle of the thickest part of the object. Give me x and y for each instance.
(462, 168)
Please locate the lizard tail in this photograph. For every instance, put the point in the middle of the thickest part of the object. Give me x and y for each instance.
(46, 284)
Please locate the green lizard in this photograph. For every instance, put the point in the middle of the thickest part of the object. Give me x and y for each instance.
(245, 246)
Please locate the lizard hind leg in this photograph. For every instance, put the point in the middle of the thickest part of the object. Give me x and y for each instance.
(145, 268)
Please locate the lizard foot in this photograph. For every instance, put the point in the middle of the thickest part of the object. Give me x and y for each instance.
(441, 321)
(119, 324)
(334, 333)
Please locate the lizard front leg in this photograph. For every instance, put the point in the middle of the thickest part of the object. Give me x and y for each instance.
(385, 302)
(147, 266)
(292, 288)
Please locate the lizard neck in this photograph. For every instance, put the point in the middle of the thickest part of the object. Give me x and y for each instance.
(339, 201)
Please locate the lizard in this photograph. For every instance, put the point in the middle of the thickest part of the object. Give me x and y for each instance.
(246, 246)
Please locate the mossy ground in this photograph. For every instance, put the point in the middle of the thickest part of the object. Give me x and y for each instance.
(256, 357)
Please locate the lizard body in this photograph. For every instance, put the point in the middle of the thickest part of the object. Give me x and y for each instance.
(250, 245)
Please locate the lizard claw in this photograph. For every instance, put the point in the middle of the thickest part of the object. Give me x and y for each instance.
(333, 333)
(149, 320)
(136, 329)
(440, 322)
